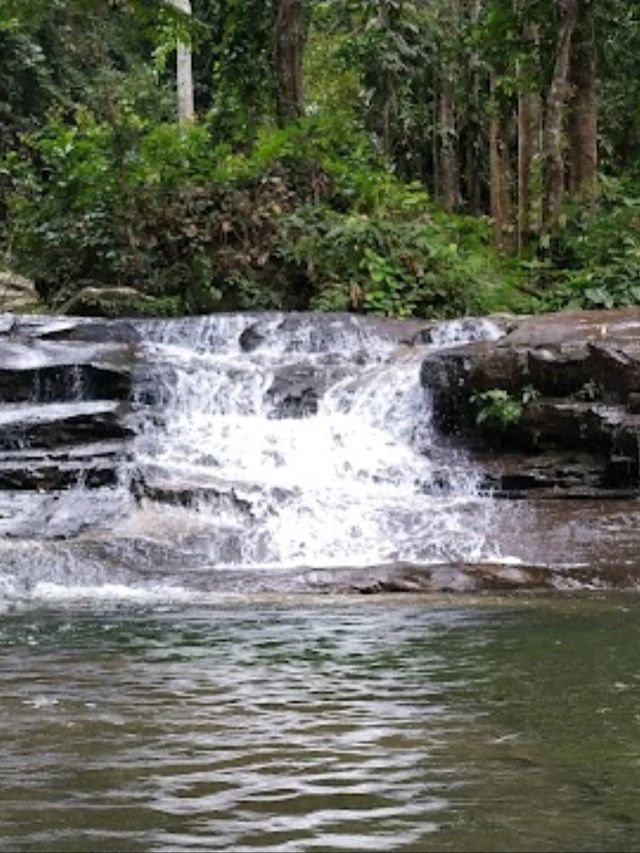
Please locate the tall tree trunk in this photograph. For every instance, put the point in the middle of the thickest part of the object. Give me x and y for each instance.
(289, 40)
(447, 119)
(475, 137)
(184, 71)
(555, 112)
(500, 172)
(449, 168)
(583, 116)
(529, 147)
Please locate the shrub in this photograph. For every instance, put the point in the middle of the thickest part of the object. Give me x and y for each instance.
(594, 261)
(311, 218)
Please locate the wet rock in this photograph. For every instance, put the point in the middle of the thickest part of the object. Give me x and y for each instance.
(297, 388)
(63, 383)
(51, 426)
(190, 495)
(59, 514)
(125, 333)
(575, 376)
(252, 338)
(91, 466)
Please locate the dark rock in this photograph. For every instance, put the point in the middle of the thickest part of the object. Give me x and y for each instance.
(191, 494)
(575, 375)
(90, 465)
(297, 388)
(252, 338)
(51, 426)
(64, 383)
(633, 403)
(122, 332)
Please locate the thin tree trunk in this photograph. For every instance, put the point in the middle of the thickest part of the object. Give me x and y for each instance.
(500, 172)
(184, 71)
(435, 145)
(583, 116)
(555, 112)
(475, 137)
(447, 120)
(449, 168)
(289, 40)
(529, 146)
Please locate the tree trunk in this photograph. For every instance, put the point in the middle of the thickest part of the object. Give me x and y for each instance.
(184, 71)
(500, 172)
(555, 111)
(289, 39)
(475, 136)
(583, 116)
(449, 169)
(529, 147)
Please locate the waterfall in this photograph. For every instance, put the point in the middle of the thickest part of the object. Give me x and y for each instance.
(287, 443)
(265, 444)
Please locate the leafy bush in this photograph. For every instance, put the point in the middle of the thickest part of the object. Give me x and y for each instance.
(594, 261)
(310, 218)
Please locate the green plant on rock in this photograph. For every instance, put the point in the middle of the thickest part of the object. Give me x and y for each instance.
(497, 409)
(589, 392)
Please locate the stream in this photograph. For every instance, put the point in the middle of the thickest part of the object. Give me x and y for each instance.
(189, 656)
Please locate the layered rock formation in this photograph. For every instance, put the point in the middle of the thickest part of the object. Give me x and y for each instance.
(552, 409)
(63, 417)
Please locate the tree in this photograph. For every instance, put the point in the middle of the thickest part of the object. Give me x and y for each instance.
(555, 112)
(583, 115)
(184, 70)
(288, 53)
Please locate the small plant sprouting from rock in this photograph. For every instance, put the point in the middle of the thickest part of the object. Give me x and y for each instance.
(497, 409)
(589, 392)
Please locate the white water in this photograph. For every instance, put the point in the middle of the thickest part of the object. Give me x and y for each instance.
(362, 481)
(230, 481)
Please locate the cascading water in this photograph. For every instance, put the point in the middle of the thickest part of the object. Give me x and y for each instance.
(315, 448)
(271, 442)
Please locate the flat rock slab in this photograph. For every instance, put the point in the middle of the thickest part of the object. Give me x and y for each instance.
(50, 426)
(33, 354)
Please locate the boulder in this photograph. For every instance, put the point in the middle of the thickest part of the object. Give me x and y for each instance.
(93, 301)
(18, 294)
(576, 379)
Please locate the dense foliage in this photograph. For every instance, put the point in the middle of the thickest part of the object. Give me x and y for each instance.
(440, 158)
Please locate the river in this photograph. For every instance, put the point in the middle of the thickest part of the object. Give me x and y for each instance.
(321, 725)
(189, 661)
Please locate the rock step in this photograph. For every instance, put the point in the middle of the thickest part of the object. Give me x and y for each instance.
(64, 383)
(55, 425)
(43, 371)
(89, 465)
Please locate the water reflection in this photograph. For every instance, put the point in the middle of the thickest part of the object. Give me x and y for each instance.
(345, 726)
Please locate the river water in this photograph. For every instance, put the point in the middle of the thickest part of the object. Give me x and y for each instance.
(172, 678)
(303, 725)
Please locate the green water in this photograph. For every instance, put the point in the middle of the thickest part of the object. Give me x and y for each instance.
(385, 724)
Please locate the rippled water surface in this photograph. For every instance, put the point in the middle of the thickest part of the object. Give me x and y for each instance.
(365, 724)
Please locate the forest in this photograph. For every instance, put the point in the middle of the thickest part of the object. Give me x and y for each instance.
(424, 158)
